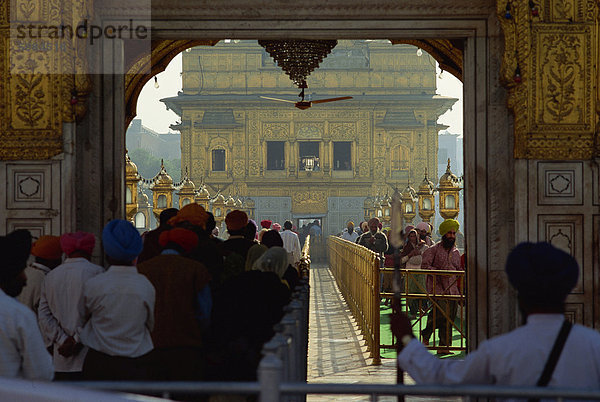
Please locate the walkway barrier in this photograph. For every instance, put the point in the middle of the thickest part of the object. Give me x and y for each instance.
(432, 311)
(270, 388)
(356, 271)
(304, 266)
(289, 345)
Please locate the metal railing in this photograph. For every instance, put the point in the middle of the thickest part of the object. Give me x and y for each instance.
(270, 388)
(432, 308)
(356, 271)
(289, 345)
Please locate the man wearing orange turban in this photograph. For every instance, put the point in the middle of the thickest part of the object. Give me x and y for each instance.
(48, 255)
(195, 218)
(61, 309)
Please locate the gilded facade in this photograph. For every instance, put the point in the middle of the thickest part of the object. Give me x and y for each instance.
(235, 141)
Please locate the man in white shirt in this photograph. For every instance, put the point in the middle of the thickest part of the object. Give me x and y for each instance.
(291, 244)
(61, 309)
(349, 233)
(22, 351)
(543, 277)
(120, 307)
(48, 255)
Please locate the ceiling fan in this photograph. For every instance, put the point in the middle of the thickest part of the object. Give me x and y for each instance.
(302, 104)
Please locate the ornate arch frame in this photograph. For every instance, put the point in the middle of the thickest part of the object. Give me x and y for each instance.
(487, 123)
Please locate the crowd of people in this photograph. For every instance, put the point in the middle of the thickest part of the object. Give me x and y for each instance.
(177, 303)
(416, 251)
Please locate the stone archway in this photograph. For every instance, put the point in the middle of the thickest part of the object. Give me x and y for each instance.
(443, 38)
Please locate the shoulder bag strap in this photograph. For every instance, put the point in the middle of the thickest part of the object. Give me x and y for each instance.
(554, 356)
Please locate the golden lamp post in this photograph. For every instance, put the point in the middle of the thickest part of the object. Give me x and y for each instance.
(131, 187)
(448, 189)
(409, 198)
(426, 199)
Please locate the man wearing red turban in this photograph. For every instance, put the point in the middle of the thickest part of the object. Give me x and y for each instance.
(266, 224)
(181, 285)
(48, 255)
(61, 309)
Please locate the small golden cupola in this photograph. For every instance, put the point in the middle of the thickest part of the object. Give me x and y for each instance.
(162, 191)
(426, 199)
(448, 188)
(132, 179)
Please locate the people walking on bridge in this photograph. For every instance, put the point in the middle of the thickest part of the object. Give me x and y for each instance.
(151, 246)
(411, 257)
(183, 307)
(22, 351)
(546, 351)
(291, 244)
(349, 233)
(62, 306)
(423, 230)
(442, 256)
(374, 239)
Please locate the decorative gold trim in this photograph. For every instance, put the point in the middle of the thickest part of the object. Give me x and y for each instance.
(555, 63)
(448, 53)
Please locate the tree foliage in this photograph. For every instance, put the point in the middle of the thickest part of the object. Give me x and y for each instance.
(149, 165)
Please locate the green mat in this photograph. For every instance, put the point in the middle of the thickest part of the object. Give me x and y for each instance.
(385, 334)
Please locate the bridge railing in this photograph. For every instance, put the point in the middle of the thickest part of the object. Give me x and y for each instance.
(433, 308)
(356, 271)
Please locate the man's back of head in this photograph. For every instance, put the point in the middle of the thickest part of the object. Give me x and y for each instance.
(166, 215)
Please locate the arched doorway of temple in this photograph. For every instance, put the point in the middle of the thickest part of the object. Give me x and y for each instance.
(319, 168)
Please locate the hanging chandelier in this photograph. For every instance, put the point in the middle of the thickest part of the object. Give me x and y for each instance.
(298, 57)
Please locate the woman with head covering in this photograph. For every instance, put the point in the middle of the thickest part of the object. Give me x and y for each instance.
(21, 345)
(254, 254)
(273, 260)
(411, 258)
(120, 306)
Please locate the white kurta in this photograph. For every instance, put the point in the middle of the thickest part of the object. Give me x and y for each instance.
(30, 295)
(120, 304)
(291, 244)
(61, 311)
(516, 358)
(349, 236)
(22, 350)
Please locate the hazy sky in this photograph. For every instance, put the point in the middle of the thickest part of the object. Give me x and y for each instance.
(155, 116)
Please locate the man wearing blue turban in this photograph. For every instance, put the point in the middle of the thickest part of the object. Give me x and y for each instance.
(120, 304)
(546, 350)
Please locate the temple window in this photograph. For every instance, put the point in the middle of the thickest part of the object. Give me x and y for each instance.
(275, 155)
(342, 155)
(128, 196)
(140, 220)
(309, 155)
(400, 158)
(162, 201)
(218, 160)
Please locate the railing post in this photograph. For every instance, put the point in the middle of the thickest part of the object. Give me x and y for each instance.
(375, 353)
(269, 377)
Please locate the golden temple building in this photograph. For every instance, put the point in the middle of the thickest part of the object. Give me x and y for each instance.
(322, 162)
